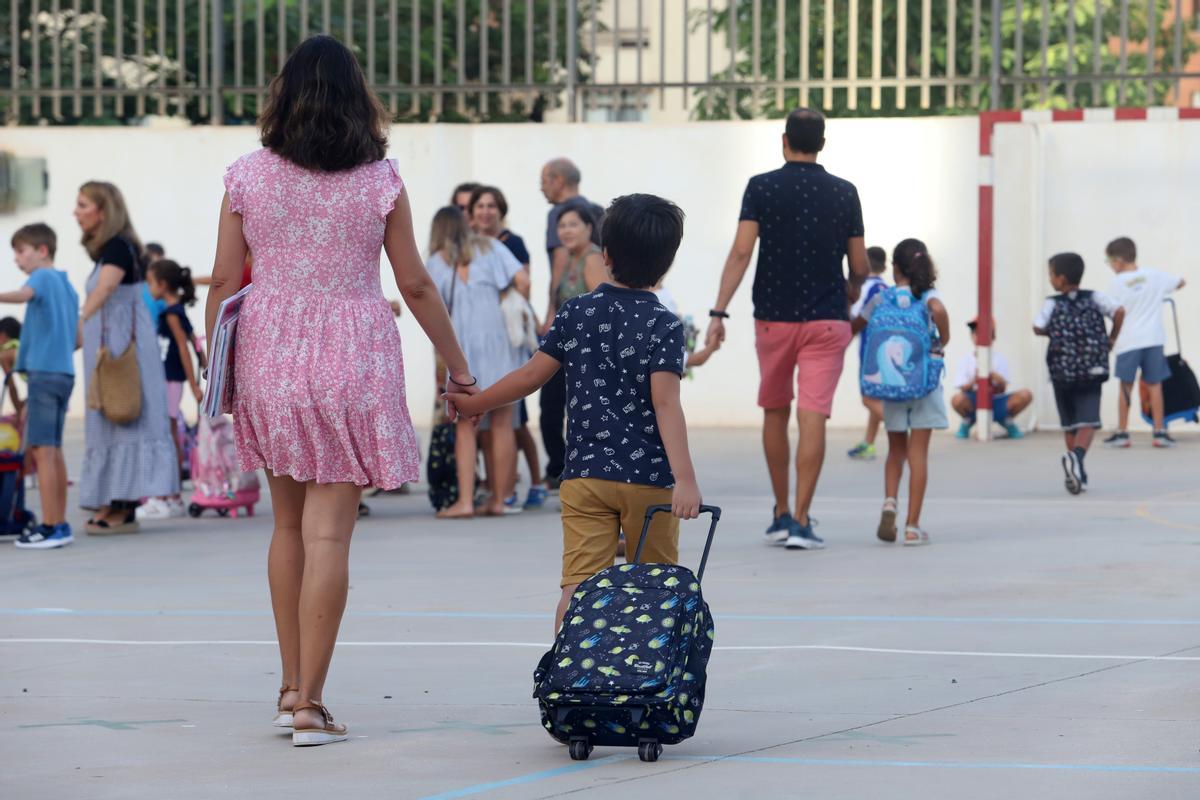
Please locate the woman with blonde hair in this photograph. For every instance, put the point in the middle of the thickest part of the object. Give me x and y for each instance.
(122, 462)
(471, 271)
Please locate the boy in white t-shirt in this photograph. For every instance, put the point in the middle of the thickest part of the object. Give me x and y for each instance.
(1006, 405)
(1140, 346)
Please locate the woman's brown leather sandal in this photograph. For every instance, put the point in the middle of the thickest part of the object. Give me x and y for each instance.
(328, 733)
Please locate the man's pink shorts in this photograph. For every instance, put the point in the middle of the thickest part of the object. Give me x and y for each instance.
(813, 352)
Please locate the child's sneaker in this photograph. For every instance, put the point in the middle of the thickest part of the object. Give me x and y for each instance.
(964, 431)
(801, 537)
(1119, 439)
(537, 497)
(862, 452)
(886, 532)
(43, 537)
(1163, 439)
(780, 529)
(1071, 469)
(1013, 431)
(154, 508)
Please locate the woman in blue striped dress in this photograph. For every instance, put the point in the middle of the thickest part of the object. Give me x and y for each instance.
(122, 463)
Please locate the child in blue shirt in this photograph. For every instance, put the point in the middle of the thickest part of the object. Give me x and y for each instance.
(622, 355)
(47, 358)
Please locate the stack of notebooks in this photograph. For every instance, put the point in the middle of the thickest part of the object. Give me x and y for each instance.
(218, 393)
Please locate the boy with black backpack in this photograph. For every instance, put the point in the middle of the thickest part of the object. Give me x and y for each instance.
(1077, 357)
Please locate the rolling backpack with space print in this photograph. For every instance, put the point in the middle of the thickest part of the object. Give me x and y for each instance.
(629, 665)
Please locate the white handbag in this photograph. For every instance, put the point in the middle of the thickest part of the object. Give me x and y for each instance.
(520, 320)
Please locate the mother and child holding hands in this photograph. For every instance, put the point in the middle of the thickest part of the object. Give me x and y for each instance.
(320, 399)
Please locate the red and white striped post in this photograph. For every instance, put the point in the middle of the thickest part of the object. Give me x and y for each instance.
(988, 121)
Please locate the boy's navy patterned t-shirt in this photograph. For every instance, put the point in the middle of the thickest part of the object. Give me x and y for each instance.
(609, 342)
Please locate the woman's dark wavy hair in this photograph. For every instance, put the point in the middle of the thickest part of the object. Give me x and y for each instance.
(911, 257)
(321, 114)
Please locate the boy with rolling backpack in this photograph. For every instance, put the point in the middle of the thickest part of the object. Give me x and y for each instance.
(628, 663)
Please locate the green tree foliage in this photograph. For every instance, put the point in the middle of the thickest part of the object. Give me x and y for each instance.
(1020, 56)
(169, 69)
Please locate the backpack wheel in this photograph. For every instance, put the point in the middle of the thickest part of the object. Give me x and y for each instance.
(195, 510)
(649, 750)
(580, 749)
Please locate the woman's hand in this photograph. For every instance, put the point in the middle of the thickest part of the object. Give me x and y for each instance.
(464, 403)
(197, 392)
(716, 332)
(460, 385)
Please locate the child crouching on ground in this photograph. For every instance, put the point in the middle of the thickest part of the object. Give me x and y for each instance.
(622, 353)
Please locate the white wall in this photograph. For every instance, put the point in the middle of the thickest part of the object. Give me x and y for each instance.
(916, 177)
(1063, 186)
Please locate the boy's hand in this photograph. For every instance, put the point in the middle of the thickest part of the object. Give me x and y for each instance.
(197, 392)
(685, 500)
(465, 405)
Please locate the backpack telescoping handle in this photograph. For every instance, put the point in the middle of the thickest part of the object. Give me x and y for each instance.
(1175, 318)
(712, 529)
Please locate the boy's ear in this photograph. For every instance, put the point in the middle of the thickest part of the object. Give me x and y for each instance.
(607, 259)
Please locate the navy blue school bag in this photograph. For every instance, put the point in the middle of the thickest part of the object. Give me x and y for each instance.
(898, 360)
(629, 665)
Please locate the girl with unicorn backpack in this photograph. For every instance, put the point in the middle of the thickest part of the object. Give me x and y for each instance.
(907, 329)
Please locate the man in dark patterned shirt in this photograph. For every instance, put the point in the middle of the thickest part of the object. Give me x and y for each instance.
(806, 222)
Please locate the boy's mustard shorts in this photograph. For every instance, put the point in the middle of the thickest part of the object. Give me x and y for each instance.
(595, 511)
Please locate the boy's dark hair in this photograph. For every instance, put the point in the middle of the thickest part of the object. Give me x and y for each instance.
(10, 327)
(642, 232)
(39, 234)
(469, 186)
(321, 114)
(177, 279)
(1069, 266)
(878, 258)
(1122, 248)
(479, 191)
(912, 259)
(155, 249)
(806, 131)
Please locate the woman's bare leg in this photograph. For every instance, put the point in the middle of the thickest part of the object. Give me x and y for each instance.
(464, 455)
(330, 511)
(285, 570)
(502, 458)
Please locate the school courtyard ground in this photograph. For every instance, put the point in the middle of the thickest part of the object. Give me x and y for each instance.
(1045, 646)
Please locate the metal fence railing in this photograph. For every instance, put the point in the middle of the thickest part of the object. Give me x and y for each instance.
(98, 61)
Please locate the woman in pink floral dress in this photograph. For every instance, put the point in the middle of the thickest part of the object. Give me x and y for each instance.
(319, 392)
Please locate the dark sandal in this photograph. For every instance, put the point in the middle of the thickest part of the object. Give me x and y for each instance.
(328, 733)
(283, 716)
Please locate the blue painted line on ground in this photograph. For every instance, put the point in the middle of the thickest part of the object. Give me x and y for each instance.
(520, 780)
(857, 762)
(510, 615)
(569, 769)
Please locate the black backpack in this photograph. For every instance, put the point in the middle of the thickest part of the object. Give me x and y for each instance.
(441, 470)
(1078, 351)
(629, 665)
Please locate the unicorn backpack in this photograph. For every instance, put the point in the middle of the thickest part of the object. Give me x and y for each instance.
(898, 360)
